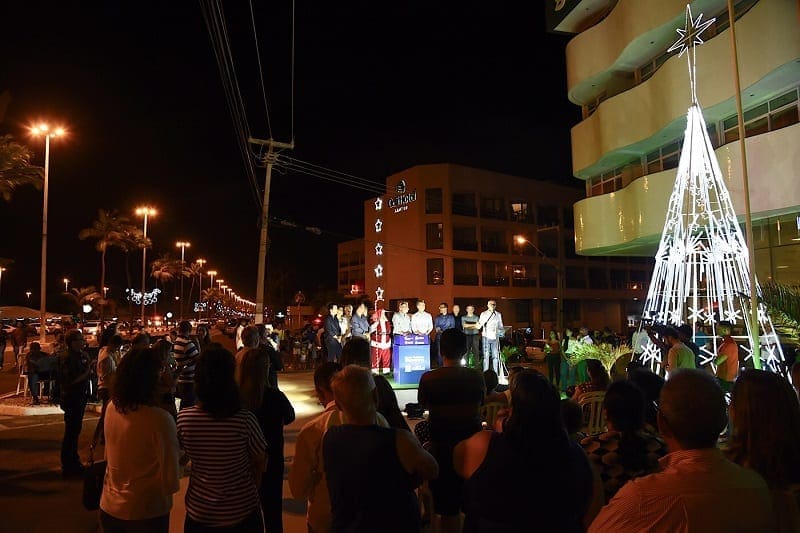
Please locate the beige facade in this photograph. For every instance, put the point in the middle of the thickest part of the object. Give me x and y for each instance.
(454, 234)
(634, 98)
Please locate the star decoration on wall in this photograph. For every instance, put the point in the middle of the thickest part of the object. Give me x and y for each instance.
(378, 226)
(379, 249)
(378, 204)
(378, 294)
(690, 34)
(378, 271)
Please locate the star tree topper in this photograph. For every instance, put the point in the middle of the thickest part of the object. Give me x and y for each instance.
(690, 34)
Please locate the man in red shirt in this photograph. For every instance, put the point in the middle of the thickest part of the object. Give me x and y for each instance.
(727, 357)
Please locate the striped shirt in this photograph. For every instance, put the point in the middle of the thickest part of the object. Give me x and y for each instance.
(222, 490)
(186, 353)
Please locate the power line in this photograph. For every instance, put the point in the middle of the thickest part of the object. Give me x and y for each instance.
(260, 68)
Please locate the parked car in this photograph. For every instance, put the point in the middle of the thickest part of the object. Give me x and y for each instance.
(91, 327)
(230, 327)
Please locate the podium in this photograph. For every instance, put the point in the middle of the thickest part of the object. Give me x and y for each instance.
(411, 357)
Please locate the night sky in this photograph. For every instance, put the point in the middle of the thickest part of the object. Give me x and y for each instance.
(378, 88)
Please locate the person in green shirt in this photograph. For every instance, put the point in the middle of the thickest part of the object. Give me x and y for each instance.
(679, 355)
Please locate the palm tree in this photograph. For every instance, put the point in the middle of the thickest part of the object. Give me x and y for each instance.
(132, 239)
(164, 269)
(108, 230)
(83, 295)
(192, 271)
(16, 168)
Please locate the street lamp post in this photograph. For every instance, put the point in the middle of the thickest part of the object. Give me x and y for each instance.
(45, 131)
(211, 274)
(2, 269)
(201, 262)
(183, 245)
(66, 284)
(521, 240)
(28, 294)
(145, 212)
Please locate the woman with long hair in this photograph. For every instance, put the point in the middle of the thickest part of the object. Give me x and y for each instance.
(553, 357)
(765, 416)
(202, 337)
(626, 450)
(273, 411)
(532, 445)
(141, 449)
(227, 450)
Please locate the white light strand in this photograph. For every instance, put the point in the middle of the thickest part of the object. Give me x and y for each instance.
(378, 251)
(149, 297)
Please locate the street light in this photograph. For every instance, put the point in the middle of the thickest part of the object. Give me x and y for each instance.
(201, 262)
(2, 269)
(146, 212)
(521, 241)
(45, 131)
(105, 292)
(28, 294)
(66, 284)
(183, 245)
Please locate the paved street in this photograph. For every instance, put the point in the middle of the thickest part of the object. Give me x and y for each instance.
(35, 497)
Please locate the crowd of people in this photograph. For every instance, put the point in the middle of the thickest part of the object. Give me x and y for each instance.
(382, 328)
(671, 448)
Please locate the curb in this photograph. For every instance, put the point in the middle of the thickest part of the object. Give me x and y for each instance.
(44, 409)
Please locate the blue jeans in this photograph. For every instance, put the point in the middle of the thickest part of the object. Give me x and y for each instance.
(567, 376)
(491, 351)
(33, 385)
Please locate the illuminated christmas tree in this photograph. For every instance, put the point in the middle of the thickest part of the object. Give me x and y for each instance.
(702, 273)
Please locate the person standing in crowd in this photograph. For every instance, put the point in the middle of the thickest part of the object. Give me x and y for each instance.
(307, 474)
(107, 360)
(271, 345)
(3, 346)
(532, 445)
(471, 328)
(167, 377)
(358, 490)
(141, 448)
(444, 321)
(727, 357)
(202, 338)
(679, 355)
(380, 341)
(491, 324)
(238, 333)
(421, 321)
(227, 449)
(186, 353)
(457, 316)
(273, 411)
(626, 450)
(109, 330)
(598, 379)
(401, 320)
(19, 340)
(554, 359)
(359, 323)
(765, 416)
(453, 396)
(695, 477)
(73, 377)
(344, 325)
(333, 333)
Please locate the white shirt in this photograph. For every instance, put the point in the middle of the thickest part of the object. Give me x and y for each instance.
(421, 323)
(491, 321)
(587, 339)
(142, 472)
(239, 343)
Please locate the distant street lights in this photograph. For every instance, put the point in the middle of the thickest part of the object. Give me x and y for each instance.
(146, 212)
(105, 293)
(45, 131)
(66, 284)
(28, 294)
(183, 245)
(2, 269)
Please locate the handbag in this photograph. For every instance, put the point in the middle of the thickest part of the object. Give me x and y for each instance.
(93, 477)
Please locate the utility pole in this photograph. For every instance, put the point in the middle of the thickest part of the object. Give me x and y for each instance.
(264, 240)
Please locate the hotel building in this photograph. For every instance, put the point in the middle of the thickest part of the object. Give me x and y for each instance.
(449, 233)
(634, 97)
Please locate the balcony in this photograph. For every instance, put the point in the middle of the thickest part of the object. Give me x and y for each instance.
(494, 247)
(495, 281)
(495, 214)
(465, 210)
(467, 246)
(523, 282)
(465, 279)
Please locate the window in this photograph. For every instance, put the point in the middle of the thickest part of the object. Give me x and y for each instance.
(465, 272)
(619, 278)
(433, 236)
(433, 201)
(493, 241)
(493, 208)
(464, 238)
(494, 274)
(597, 278)
(547, 215)
(520, 211)
(576, 278)
(464, 204)
(522, 275)
(435, 269)
(572, 311)
(548, 310)
(548, 243)
(522, 311)
(548, 276)
(343, 277)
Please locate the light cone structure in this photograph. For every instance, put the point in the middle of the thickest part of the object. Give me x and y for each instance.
(702, 272)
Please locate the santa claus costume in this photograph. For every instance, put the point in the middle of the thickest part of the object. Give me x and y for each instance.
(380, 341)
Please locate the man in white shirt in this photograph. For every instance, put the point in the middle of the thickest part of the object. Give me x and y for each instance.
(421, 321)
(401, 321)
(491, 324)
